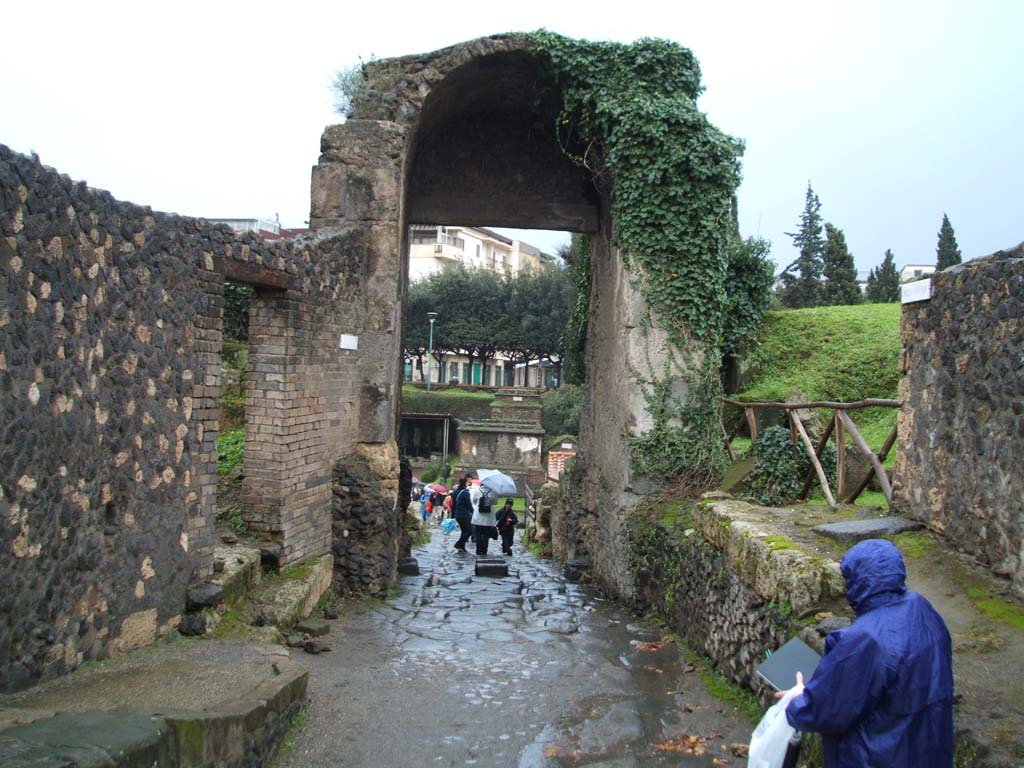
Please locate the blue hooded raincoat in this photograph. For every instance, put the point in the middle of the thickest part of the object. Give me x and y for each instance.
(883, 693)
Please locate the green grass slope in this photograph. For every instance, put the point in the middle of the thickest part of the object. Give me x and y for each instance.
(832, 353)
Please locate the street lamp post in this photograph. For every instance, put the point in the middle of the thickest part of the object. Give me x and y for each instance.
(430, 349)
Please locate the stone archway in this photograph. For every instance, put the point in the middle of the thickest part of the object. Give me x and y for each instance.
(430, 135)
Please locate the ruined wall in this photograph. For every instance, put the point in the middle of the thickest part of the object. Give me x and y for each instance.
(366, 525)
(719, 579)
(110, 331)
(961, 427)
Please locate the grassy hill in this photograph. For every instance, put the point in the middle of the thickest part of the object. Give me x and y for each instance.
(832, 353)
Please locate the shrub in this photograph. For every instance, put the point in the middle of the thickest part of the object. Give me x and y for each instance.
(778, 475)
(560, 410)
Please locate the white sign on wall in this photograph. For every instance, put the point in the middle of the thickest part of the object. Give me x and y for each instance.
(919, 290)
(348, 341)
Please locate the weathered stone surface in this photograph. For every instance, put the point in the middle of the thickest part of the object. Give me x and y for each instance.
(241, 571)
(487, 566)
(313, 627)
(199, 623)
(961, 426)
(728, 588)
(295, 596)
(408, 566)
(365, 526)
(750, 540)
(110, 366)
(205, 595)
(874, 528)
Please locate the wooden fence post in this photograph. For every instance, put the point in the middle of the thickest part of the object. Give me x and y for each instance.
(796, 425)
(883, 479)
(840, 457)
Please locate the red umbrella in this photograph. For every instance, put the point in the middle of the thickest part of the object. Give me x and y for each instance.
(437, 487)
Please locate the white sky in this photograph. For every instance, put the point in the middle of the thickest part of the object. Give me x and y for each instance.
(895, 111)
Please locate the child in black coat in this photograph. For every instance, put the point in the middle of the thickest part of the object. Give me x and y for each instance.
(507, 522)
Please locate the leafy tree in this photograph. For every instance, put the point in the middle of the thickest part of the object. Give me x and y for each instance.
(884, 282)
(840, 272)
(947, 251)
(803, 288)
(539, 308)
(748, 284)
(237, 298)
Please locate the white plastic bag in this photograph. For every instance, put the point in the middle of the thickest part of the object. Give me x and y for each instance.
(770, 740)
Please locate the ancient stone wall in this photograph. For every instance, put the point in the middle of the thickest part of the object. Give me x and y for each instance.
(366, 525)
(961, 428)
(110, 333)
(720, 581)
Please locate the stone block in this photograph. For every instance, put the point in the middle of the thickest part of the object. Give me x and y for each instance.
(204, 595)
(313, 627)
(491, 566)
(409, 566)
(874, 528)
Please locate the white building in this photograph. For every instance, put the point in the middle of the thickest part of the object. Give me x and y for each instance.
(916, 272)
(431, 248)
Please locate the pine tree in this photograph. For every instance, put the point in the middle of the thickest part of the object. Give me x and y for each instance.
(884, 282)
(947, 251)
(803, 288)
(839, 270)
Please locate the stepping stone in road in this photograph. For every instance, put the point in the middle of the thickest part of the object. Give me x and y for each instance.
(491, 566)
(876, 528)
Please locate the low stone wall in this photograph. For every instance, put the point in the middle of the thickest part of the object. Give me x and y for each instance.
(725, 578)
(110, 343)
(961, 428)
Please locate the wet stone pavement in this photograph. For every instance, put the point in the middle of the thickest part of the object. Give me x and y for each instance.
(525, 670)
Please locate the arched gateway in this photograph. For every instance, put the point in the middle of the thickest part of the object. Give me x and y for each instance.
(467, 135)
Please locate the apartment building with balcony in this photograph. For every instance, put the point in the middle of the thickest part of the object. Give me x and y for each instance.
(431, 248)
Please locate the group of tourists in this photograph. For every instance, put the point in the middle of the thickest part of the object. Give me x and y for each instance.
(473, 508)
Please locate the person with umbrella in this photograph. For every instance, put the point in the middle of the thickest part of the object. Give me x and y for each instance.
(463, 510)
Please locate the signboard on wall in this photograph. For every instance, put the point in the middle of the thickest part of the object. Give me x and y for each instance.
(919, 290)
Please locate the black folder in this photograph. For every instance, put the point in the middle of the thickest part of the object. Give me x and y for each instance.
(779, 670)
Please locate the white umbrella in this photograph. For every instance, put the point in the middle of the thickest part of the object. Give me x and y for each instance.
(497, 481)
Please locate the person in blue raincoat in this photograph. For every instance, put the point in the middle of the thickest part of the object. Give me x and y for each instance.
(883, 693)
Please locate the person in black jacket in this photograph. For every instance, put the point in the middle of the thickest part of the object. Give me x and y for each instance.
(462, 509)
(507, 522)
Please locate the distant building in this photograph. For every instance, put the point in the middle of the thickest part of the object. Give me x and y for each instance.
(268, 229)
(431, 248)
(915, 272)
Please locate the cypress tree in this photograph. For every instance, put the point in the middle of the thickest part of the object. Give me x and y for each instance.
(884, 282)
(839, 270)
(947, 251)
(803, 289)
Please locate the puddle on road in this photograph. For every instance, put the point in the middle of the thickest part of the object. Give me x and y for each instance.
(607, 692)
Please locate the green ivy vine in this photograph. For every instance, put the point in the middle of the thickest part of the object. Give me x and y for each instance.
(629, 114)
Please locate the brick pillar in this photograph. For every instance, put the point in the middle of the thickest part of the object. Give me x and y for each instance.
(287, 467)
(201, 500)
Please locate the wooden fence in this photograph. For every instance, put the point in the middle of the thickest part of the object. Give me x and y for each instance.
(840, 424)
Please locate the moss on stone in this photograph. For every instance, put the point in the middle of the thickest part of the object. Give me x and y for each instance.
(779, 542)
(913, 544)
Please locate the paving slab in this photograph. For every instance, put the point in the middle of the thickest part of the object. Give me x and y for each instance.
(184, 703)
(873, 528)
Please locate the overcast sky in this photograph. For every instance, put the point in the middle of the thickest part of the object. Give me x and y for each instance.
(894, 111)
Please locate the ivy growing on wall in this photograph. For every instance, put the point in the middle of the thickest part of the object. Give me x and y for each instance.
(629, 114)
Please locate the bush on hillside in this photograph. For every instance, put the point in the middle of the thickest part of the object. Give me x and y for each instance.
(778, 475)
(560, 410)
